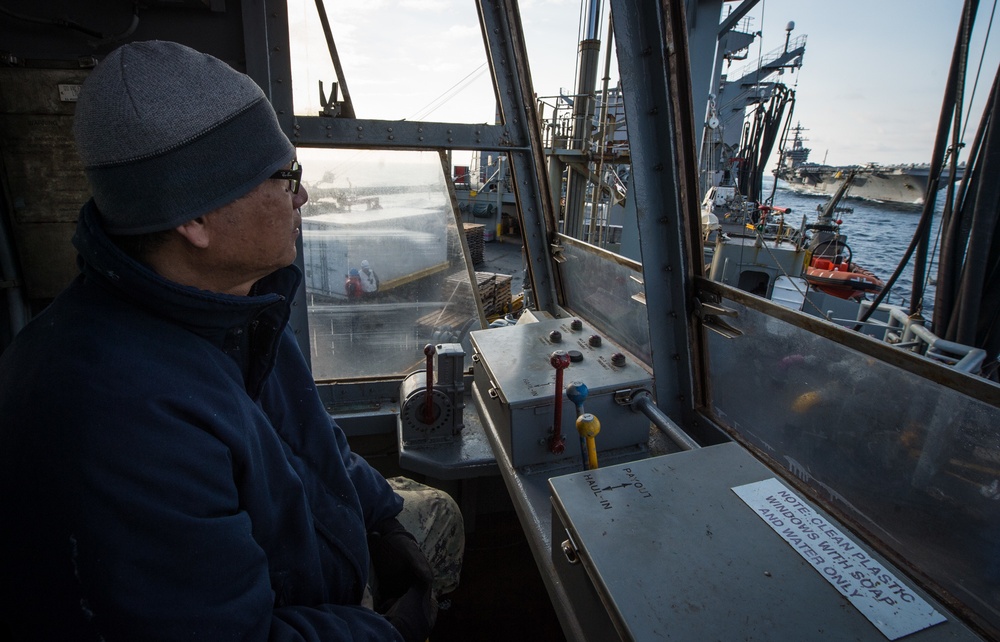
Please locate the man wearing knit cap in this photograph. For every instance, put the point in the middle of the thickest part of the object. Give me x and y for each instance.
(167, 469)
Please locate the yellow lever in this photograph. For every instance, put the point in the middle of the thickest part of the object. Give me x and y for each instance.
(588, 426)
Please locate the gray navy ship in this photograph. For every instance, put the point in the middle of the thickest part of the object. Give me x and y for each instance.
(903, 184)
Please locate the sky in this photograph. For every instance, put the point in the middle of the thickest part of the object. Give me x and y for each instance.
(870, 88)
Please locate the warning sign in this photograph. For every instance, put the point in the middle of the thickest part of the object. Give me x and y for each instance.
(888, 603)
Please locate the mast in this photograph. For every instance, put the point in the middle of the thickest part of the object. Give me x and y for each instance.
(583, 116)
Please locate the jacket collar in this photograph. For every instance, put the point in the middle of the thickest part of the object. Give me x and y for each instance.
(244, 327)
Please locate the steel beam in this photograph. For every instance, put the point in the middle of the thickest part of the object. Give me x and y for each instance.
(655, 74)
(504, 39)
(321, 131)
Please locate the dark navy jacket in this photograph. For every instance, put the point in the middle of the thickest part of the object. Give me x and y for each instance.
(167, 470)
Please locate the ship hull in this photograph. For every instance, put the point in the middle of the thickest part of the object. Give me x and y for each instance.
(904, 185)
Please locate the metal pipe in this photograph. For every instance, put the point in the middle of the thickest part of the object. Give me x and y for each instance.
(580, 137)
(593, 19)
(602, 149)
(970, 358)
(643, 402)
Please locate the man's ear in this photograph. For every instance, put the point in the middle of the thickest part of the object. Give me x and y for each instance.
(195, 232)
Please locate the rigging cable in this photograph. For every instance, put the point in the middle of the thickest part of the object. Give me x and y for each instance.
(979, 68)
(951, 115)
(751, 187)
(976, 280)
(955, 229)
(920, 236)
(759, 137)
(783, 142)
(963, 270)
(444, 96)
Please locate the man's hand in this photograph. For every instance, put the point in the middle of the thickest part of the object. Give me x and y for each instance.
(413, 614)
(404, 580)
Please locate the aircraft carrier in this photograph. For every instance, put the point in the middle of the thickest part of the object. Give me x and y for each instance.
(903, 184)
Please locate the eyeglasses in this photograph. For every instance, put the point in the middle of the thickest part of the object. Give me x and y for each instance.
(292, 175)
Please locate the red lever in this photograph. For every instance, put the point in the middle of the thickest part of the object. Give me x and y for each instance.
(559, 361)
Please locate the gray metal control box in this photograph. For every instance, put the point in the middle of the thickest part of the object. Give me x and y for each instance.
(675, 547)
(515, 384)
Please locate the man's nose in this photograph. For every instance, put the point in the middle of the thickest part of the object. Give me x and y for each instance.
(300, 199)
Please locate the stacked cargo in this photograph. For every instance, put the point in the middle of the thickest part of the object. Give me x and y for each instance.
(502, 296)
(474, 237)
(494, 290)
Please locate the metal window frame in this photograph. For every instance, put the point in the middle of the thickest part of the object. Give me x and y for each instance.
(518, 136)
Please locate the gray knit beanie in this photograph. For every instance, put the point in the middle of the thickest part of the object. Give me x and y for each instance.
(167, 134)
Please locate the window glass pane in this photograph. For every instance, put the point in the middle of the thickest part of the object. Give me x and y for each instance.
(919, 470)
(385, 268)
(608, 291)
(393, 69)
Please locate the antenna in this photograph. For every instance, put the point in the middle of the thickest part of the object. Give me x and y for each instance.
(788, 33)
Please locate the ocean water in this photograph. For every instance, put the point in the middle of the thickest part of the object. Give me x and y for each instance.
(877, 233)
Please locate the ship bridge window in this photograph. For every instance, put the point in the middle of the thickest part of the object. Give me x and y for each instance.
(394, 69)
(609, 291)
(384, 267)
